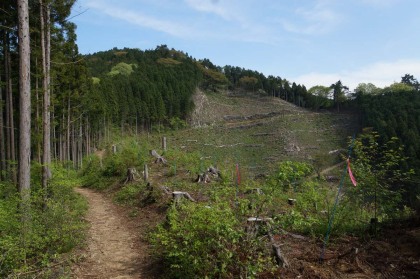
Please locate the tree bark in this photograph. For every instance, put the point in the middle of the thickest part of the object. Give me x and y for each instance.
(24, 104)
(11, 120)
(2, 146)
(38, 148)
(46, 124)
(67, 151)
(10, 129)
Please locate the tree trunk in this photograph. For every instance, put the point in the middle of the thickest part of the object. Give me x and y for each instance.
(46, 125)
(12, 121)
(68, 130)
(24, 107)
(37, 155)
(10, 133)
(73, 146)
(80, 145)
(2, 146)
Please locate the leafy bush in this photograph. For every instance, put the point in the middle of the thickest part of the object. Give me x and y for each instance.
(378, 168)
(129, 194)
(55, 227)
(206, 242)
(289, 173)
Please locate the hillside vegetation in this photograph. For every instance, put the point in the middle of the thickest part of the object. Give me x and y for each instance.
(268, 152)
(264, 134)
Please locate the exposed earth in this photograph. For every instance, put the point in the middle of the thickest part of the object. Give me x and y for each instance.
(115, 248)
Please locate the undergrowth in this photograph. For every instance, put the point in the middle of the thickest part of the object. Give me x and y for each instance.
(54, 229)
(210, 238)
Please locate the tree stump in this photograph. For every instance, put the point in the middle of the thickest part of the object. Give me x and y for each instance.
(255, 223)
(214, 172)
(131, 172)
(164, 143)
(203, 178)
(178, 195)
(253, 227)
(114, 148)
(145, 173)
(159, 159)
(291, 201)
(278, 254)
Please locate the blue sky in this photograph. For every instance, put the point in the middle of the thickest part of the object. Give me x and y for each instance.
(313, 42)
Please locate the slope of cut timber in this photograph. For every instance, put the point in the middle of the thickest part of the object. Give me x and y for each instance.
(259, 132)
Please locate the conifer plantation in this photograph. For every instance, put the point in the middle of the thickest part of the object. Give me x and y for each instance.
(252, 189)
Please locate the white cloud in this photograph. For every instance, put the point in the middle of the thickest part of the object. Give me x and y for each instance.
(211, 6)
(319, 19)
(139, 19)
(380, 74)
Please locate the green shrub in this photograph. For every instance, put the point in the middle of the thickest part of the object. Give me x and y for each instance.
(129, 194)
(55, 226)
(200, 241)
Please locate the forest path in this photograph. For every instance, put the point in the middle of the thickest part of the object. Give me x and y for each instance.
(114, 248)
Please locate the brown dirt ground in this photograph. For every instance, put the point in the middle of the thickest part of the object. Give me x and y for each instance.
(395, 253)
(116, 247)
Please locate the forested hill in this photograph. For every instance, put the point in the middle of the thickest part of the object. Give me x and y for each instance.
(153, 88)
(140, 88)
(134, 87)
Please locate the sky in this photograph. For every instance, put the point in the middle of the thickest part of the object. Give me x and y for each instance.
(310, 42)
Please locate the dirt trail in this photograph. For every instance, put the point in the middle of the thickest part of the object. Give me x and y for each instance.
(113, 245)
